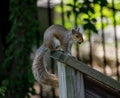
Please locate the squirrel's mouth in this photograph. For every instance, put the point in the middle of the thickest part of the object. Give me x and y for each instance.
(79, 42)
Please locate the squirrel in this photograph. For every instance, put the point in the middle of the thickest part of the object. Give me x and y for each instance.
(56, 37)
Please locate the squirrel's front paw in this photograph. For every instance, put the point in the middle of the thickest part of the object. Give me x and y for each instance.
(69, 53)
(61, 51)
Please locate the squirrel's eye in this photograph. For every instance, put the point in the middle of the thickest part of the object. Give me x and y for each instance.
(77, 36)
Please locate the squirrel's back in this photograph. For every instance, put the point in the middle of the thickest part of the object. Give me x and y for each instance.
(56, 28)
(52, 33)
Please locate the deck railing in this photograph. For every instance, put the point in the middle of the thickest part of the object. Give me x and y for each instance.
(78, 80)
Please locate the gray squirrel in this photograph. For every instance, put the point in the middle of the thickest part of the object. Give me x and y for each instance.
(55, 37)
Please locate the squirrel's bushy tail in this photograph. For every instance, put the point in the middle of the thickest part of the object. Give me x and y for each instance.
(39, 71)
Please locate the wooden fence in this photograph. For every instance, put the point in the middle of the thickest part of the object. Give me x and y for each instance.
(78, 80)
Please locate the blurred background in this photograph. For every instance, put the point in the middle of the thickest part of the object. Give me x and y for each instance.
(22, 25)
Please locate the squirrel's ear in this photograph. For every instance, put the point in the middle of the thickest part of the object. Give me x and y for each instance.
(73, 31)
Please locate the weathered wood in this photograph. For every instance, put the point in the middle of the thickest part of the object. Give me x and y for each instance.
(87, 70)
(62, 80)
(95, 90)
(71, 83)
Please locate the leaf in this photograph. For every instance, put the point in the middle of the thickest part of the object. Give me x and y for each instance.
(75, 1)
(91, 9)
(86, 20)
(2, 90)
(93, 20)
(68, 14)
(70, 5)
(86, 26)
(83, 10)
(86, 2)
(94, 29)
(103, 2)
(90, 26)
(96, 1)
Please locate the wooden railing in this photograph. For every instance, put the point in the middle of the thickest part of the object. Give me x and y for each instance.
(78, 80)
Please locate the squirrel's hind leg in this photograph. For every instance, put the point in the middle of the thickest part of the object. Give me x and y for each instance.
(57, 45)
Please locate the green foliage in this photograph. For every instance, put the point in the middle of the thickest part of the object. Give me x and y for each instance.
(17, 79)
(3, 87)
(86, 11)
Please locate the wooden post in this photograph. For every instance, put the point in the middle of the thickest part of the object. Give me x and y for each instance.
(75, 74)
(71, 83)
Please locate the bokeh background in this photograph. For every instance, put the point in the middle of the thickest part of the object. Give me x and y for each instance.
(22, 26)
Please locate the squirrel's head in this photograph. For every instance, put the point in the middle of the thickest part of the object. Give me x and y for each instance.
(77, 36)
